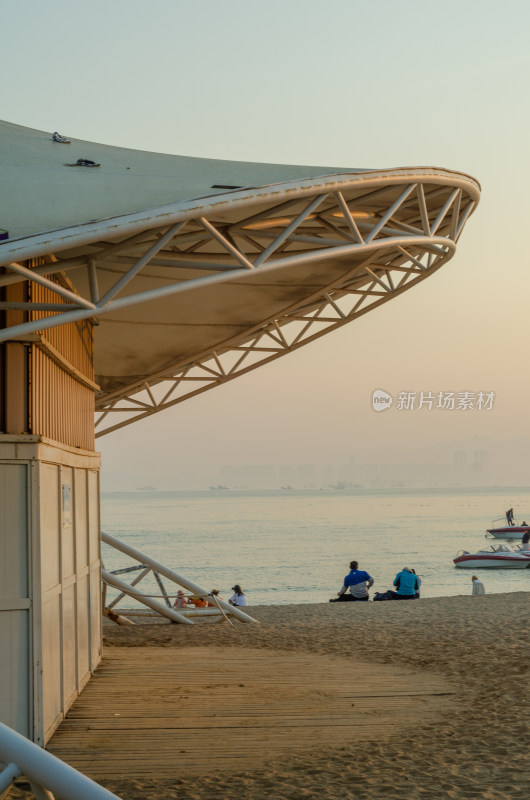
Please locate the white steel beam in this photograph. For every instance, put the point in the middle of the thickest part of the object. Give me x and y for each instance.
(350, 222)
(152, 251)
(388, 214)
(289, 229)
(29, 275)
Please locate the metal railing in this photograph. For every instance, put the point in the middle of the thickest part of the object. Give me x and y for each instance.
(47, 775)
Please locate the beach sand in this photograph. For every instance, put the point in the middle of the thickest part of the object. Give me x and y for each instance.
(472, 745)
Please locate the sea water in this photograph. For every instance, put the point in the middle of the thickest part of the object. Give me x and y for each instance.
(291, 546)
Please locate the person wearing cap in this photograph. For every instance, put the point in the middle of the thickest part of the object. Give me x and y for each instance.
(214, 593)
(239, 597)
(181, 601)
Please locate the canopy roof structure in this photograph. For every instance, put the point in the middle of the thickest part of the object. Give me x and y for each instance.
(198, 270)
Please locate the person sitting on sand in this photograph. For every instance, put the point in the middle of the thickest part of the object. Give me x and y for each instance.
(214, 593)
(478, 586)
(198, 602)
(357, 581)
(417, 591)
(406, 584)
(239, 597)
(181, 601)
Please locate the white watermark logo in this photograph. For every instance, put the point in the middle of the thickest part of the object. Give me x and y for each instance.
(381, 400)
(441, 401)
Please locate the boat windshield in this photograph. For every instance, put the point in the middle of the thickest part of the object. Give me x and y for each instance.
(498, 548)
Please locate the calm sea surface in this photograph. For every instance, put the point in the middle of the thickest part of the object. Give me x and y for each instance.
(294, 546)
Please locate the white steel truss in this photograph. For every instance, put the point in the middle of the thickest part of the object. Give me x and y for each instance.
(385, 236)
(219, 610)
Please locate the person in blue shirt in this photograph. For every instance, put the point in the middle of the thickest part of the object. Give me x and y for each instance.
(406, 584)
(357, 582)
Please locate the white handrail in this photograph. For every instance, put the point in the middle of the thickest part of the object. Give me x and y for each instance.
(45, 771)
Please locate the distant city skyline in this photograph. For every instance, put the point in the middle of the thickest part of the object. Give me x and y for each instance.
(472, 464)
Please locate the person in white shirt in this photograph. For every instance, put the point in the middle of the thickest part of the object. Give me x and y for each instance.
(239, 597)
(478, 586)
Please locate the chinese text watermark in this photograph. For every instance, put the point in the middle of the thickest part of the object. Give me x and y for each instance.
(441, 401)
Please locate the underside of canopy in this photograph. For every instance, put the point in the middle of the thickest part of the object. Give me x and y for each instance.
(196, 271)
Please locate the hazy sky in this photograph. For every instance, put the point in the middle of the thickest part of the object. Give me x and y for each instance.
(378, 84)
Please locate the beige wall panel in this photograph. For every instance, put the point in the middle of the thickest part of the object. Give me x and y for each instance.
(49, 476)
(15, 699)
(95, 618)
(50, 630)
(81, 519)
(93, 517)
(13, 531)
(67, 526)
(51, 663)
(83, 630)
(69, 641)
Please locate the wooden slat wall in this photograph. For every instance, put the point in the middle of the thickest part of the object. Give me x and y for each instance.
(61, 407)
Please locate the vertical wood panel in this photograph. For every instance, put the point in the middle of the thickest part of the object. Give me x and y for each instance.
(68, 644)
(13, 531)
(15, 701)
(83, 630)
(14, 670)
(51, 663)
(49, 526)
(81, 519)
(62, 408)
(67, 526)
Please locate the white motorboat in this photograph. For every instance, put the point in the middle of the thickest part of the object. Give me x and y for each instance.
(507, 532)
(497, 556)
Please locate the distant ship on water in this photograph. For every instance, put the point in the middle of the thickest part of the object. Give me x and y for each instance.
(219, 487)
(145, 489)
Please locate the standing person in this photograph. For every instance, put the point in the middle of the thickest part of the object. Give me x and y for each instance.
(478, 586)
(406, 584)
(509, 516)
(525, 540)
(357, 581)
(238, 598)
(417, 590)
